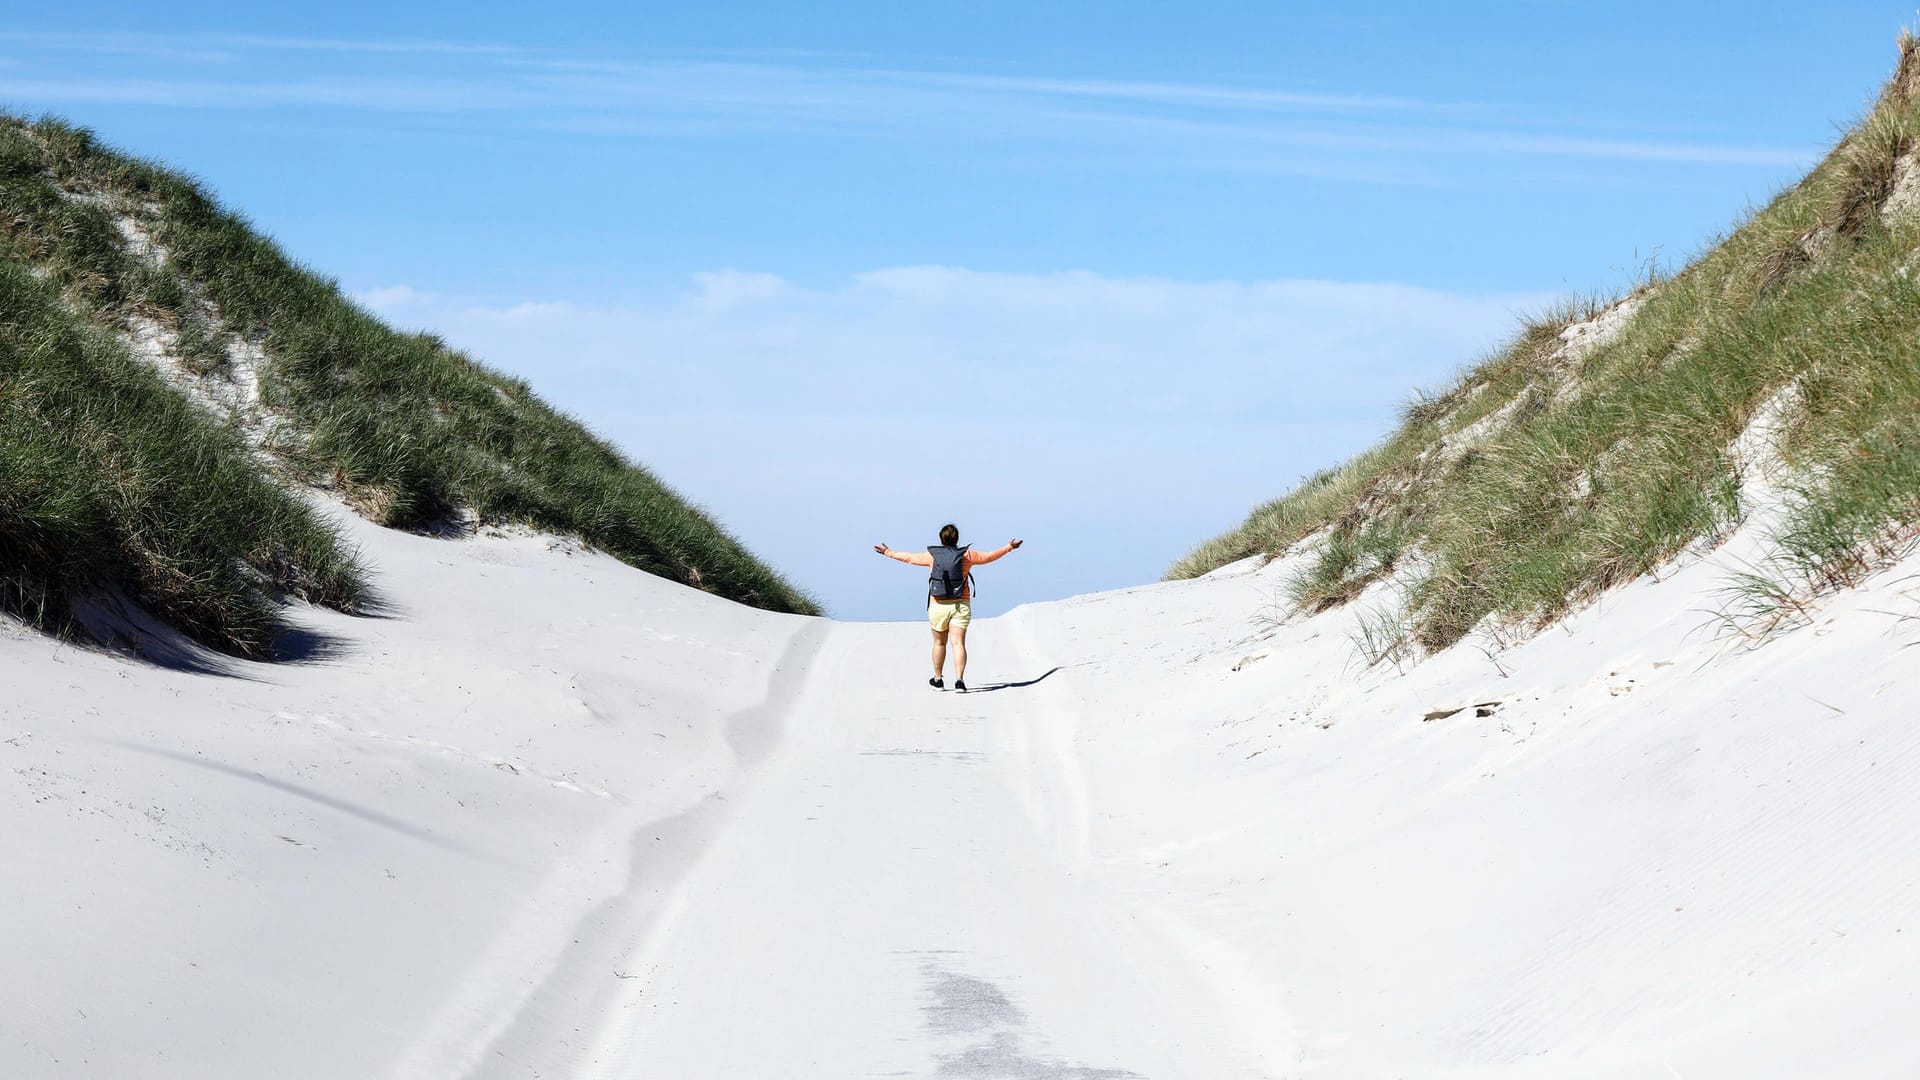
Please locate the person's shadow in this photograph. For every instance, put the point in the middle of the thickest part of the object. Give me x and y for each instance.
(985, 687)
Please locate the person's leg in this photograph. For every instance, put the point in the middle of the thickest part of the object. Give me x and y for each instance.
(959, 654)
(940, 653)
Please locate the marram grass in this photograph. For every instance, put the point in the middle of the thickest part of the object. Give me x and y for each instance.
(409, 431)
(110, 479)
(1597, 466)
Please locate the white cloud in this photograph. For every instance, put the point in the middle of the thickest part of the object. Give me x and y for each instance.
(1150, 124)
(394, 299)
(816, 420)
(1067, 345)
(724, 290)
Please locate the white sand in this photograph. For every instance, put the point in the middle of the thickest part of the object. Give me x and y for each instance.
(378, 864)
(557, 818)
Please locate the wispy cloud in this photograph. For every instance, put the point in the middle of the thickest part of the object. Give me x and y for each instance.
(1211, 97)
(1025, 343)
(234, 46)
(1197, 126)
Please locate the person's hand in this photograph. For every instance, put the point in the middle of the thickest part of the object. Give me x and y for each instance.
(1014, 543)
(881, 548)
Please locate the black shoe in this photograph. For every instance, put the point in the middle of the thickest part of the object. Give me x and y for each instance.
(960, 685)
(938, 683)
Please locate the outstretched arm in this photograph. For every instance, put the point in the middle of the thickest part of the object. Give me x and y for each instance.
(919, 558)
(981, 558)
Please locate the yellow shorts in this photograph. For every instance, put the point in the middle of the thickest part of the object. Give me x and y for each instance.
(942, 614)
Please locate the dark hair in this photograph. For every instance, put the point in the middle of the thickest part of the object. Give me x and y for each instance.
(950, 535)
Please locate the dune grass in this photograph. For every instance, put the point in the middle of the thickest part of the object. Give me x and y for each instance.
(110, 479)
(1597, 465)
(410, 432)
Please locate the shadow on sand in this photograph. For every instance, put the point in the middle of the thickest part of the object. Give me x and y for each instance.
(313, 795)
(110, 621)
(985, 687)
(987, 1036)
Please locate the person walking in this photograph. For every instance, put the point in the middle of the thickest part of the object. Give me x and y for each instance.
(949, 597)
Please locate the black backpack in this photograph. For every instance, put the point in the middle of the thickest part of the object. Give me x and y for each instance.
(949, 578)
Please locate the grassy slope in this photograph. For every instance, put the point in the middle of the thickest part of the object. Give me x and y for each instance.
(109, 477)
(411, 432)
(1601, 466)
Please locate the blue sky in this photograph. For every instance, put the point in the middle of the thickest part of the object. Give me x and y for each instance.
(1100, 275)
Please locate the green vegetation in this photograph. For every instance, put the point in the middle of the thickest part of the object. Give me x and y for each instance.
(410, 432)
(1557, 469)
(1380, 634)
(110, 478)
(1348, 561)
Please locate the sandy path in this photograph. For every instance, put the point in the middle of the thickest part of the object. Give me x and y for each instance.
(884, 901)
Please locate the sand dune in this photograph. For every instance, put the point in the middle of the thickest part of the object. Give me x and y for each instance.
(553, 817)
